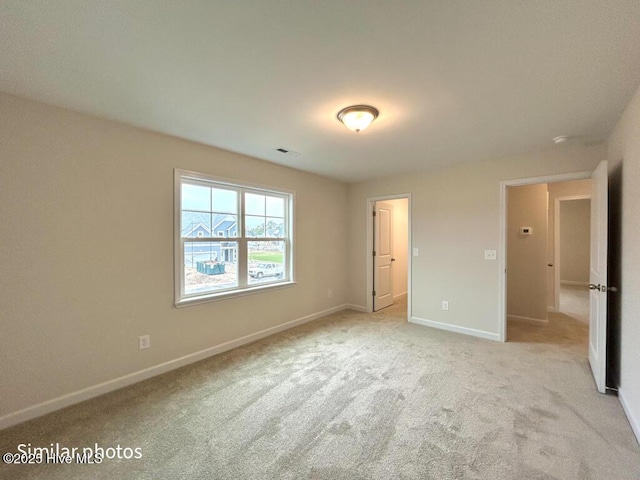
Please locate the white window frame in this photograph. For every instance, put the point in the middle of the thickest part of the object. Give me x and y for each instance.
(243, 288)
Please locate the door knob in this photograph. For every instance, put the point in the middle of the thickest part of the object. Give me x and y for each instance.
(594, 287)
(393, 259)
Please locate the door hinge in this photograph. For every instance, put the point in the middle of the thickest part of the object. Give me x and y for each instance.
(373, 293)
(374, 213)
(373, 253)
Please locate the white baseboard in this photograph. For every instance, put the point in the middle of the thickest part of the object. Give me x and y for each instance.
(527, 319)
(455, 328)
(400, 295)
(635, 422)
(78, 396)
(571, 282)
(357, 308)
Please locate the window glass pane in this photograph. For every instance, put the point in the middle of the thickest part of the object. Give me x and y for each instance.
(266, 261)
(275, 227)
(195, 224)
(224, 201)
(275, 207)
(224, 225)
(210, 266)
(254, 204)
(196, 197)
(254, 226)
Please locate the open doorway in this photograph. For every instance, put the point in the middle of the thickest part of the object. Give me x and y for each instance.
(388, 259)
(548, 259)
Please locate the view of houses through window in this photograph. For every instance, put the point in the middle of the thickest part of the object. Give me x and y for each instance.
(231, 237)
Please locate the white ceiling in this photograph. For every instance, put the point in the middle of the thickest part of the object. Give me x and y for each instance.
(454, 80)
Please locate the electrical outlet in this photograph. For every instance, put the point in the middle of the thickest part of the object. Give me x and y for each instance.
(445, 305)
(489, 254)
(329, 293)
(144, 341)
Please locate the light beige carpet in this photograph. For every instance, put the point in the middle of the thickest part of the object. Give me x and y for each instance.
(358, 396)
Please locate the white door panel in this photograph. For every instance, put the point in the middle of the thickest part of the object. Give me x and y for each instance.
(598, 276)
(382, 261)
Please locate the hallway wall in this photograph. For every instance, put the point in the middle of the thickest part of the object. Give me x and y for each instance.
(527, 254)
(575, 241)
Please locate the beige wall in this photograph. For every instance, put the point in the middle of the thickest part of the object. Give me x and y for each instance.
(87, 251)
(527, 254)
(557, 190)
(400, 244)
(455, 216)
(624, 149)
(575, 233)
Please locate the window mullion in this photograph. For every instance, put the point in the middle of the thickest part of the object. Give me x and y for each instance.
(243, 258)
(182, 271)
(205, 239)
(242, 262)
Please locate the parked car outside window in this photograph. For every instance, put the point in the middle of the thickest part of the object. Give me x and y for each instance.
(265, 270)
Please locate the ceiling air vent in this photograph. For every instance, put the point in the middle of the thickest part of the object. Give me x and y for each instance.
(288, 152)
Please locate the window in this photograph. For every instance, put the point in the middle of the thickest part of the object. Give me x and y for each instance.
(231, 238)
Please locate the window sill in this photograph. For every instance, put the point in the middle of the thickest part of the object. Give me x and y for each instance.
(215, 297)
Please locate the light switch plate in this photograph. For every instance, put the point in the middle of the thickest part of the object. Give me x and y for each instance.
(415, 252)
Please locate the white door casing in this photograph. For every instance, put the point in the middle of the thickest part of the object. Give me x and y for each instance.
(598, 276)
(383, 257)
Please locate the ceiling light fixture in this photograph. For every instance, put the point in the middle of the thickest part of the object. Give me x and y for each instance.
(357, 117)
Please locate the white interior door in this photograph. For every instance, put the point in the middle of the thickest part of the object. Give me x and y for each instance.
(383, 255)
(598, 277)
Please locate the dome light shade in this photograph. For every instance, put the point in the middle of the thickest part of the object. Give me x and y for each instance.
(357, 117)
